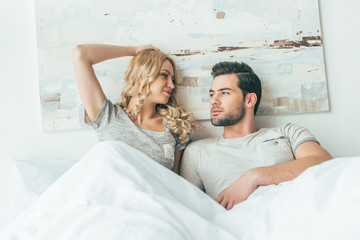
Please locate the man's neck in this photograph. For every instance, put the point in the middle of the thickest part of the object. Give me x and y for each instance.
(241, 129)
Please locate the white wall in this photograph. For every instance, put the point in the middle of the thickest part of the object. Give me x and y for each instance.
(20, 119)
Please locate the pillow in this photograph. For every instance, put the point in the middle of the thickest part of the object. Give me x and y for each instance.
(8, 183)
(35, 175)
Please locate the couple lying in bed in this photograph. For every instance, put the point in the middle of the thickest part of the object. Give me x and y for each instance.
(228, 168)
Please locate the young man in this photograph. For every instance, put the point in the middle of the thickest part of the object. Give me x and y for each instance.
(230, 167)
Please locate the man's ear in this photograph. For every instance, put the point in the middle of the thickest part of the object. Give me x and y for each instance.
(250, 100)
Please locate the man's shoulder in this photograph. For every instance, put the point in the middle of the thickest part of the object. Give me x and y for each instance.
(294, 133)
(287, 130)
(200, 144)
(292, 128)
(284, 127)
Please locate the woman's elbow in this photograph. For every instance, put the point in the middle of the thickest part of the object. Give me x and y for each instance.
(78, 53)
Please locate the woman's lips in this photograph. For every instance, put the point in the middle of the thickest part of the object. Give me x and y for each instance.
(168, 93)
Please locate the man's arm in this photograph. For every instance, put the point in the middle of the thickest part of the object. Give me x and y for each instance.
(307, 154)
(189, 163)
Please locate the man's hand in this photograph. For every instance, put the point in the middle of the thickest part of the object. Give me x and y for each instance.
(238, 191)
(307, 154)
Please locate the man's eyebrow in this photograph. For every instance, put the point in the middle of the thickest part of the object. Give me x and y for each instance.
(221, 89)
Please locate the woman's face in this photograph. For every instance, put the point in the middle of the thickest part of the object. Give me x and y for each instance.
(161, 88)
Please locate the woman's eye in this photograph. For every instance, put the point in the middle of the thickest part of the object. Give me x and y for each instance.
(164, 75)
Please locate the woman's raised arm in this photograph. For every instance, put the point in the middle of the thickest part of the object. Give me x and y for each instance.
(86, 55)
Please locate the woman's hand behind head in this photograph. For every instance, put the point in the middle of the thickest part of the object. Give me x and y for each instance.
(139, 49)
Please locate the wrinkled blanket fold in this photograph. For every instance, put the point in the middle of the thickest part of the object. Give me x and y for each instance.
(117, 192)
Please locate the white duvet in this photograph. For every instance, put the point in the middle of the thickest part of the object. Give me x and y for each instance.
(116, 192)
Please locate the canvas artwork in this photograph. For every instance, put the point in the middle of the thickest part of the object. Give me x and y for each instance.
(281, 40)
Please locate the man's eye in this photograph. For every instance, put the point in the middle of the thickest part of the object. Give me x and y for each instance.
(211, 95)
(224, 92)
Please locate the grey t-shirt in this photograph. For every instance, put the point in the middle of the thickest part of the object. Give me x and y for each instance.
(112, 123)
(213, 164)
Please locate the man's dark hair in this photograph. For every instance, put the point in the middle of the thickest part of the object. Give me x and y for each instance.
(248, 82)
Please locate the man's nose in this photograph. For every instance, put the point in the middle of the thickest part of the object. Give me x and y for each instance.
(215, 100)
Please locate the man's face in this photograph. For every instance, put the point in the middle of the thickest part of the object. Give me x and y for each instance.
(226, 101)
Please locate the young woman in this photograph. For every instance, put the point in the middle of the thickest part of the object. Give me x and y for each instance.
(148, 117)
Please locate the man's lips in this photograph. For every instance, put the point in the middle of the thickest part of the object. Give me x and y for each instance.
(216, 111)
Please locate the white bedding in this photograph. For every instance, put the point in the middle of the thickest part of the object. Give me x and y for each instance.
(116, 192)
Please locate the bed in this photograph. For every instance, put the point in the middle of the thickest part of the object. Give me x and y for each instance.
(116, 192)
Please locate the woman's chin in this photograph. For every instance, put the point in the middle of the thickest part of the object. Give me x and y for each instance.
(164, 100)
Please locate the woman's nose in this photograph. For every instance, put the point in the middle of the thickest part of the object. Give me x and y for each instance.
(171, 84)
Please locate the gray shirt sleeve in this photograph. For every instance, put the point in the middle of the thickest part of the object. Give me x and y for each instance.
(106, 114)
(297, 135)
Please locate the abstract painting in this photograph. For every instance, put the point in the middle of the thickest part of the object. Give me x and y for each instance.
(281, 40)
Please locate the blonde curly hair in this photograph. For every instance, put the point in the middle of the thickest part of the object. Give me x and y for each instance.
(143, 69)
